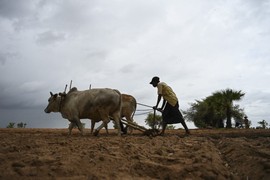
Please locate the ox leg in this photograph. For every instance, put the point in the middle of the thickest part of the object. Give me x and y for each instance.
(130, 129)
(106, 127)
(70, 127)
(117, 121)
(98, 129)
(79, 125)
(104, 124)
(93, 122)
(123, 129)
(117, 118)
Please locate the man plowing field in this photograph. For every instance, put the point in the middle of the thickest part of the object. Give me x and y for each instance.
(170, 107)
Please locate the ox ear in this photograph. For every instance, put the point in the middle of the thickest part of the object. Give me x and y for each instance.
(51, 93)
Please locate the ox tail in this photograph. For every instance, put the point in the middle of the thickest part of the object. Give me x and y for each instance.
(135, 107)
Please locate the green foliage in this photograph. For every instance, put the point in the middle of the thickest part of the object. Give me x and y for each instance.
(11, 125)
(214, 109)
(170, 126)
(153, 123)
(263, 124)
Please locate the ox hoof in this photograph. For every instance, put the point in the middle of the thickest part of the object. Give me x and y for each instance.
(95, 133)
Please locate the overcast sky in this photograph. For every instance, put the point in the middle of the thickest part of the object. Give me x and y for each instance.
(197, 47)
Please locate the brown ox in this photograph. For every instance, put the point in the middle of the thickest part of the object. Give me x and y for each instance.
(89, 104)
(129, 105)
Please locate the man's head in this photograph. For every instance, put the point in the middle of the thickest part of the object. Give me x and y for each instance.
(155, 81)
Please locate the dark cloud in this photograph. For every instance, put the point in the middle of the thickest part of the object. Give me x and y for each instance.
(96, 58)
(3, 58)
(22, 96)
(34, 118)
(6, 56)
(50, 37)
(13, 9)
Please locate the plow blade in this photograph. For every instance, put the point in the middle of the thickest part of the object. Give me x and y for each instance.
(147, 132)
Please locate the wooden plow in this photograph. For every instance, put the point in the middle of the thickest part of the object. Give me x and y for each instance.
(146, 132)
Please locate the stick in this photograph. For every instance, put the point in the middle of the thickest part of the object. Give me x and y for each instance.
(135, 127)
(134, 124)
(70, 84)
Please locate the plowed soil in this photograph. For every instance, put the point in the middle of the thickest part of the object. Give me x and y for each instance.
(205, 154)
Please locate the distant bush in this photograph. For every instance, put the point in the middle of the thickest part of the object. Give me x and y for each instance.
(11, 125)
(21, 125)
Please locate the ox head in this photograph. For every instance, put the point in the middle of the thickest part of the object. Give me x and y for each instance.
(53, 103)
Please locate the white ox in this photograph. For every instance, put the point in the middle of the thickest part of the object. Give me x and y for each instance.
(92, 104)
(129, 105)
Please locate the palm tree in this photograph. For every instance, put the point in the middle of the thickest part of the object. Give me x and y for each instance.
(224, 99)
(214, 109)
(263, 124)
(217, 115)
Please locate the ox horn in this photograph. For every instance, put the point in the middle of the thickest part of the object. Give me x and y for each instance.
(70, 84)
(65, 89)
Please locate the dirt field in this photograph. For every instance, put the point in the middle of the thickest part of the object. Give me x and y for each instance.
(206, 154)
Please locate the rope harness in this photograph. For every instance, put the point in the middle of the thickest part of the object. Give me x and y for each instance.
(148, 110)
(145, 105)
(60, 104)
